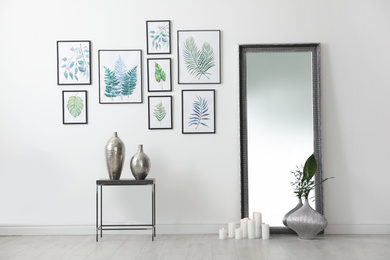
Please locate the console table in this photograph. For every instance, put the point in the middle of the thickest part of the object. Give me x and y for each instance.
(123, 182)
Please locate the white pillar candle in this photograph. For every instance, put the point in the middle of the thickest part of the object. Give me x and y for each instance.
(222, 233)
(258, 221)
(231, 229)
(244, 227)
(251, 228)
(265, 231)
(238, 233)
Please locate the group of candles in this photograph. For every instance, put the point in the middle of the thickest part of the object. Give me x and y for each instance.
(249, 228)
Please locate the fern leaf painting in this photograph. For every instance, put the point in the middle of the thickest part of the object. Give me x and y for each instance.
(159, 74)
(200, 112)
(74, 62)
(159, 112)
(120, 77)
(75, 106)
(198, 61)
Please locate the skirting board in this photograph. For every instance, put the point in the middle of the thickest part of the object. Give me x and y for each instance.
(8, 230)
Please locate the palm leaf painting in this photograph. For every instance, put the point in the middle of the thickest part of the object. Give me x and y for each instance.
(159, 74)
(200, 112)
(75, 106)
(159, 112)
(198, 62)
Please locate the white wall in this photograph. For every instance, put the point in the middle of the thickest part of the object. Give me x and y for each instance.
(48, 170)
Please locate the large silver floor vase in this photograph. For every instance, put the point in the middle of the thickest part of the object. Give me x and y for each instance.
(307, 222)
(298, 206)
(140, 164)
(115, 156)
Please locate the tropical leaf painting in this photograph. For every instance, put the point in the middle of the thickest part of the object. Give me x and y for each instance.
(119, 76)
(160, 74)
(200, 113)
(159, 112)
(198, 61)
(75, 106)
(74, 62)
(158, 36)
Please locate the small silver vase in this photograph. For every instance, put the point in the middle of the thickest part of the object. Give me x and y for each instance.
(298, 206)
(115, 156)
(307, 222)
(140, 164)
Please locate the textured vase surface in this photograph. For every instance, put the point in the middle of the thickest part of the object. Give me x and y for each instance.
(307, 222)
(298, 206)
(140, 164)
(115, 156)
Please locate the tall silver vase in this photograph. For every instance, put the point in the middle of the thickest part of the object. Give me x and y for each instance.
(307, 222)
(140, 164)
(298, 206)
(115, 156)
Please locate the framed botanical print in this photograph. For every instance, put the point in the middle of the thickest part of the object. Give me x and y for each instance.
(74, 107)
(159, 75)
(158, 35)
(160, 112)
(198, 111)
(74, 62)
(199, 57)
(120, 76)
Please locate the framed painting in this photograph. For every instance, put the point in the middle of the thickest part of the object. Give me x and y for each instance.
(158, 35)
(120, 76)
(74, 107)
(199, 57)
(159, 75)
(74, 62)
(198, 111)
(160, 112)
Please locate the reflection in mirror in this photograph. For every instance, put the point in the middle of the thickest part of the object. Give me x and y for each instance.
(279, 109)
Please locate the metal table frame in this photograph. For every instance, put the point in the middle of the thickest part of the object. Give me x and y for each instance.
(123, 182)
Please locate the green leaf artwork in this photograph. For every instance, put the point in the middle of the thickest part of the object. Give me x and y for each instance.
(200, 112)
(159, 74)
(159, 112)
(111, 81)
(129, 82)
(198, 62)
(75, 106)
(77, 63)
(160, 37)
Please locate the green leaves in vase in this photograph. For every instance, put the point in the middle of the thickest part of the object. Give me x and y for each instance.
(75, 106)
(198, 62)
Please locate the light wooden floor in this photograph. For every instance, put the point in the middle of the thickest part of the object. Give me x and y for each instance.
(203, 247)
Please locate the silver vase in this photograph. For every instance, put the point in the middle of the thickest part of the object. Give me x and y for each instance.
(140, 164)
(307, 222)
(115, 156)
(298, 206)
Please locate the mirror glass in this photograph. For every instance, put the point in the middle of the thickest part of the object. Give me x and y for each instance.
(279, 88)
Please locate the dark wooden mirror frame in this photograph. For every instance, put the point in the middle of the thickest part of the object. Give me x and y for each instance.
(314, 48)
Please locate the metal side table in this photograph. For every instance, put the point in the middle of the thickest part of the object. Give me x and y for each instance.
(123, 182)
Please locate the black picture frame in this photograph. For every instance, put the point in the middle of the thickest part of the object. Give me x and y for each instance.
(158, 37)
(74, 107)
(161, 66)
(74, 60)
(160, 112)
(198, 111)
(199, 56)
(124, 67)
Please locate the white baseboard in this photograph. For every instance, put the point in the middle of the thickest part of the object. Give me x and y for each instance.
(343, 229)
(14, 230)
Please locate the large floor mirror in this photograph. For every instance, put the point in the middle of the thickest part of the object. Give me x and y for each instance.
(279, 126)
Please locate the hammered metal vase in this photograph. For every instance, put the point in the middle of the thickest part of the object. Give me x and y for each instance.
(307, 222)
(298, 206)
(140, 164)
(115, 156)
